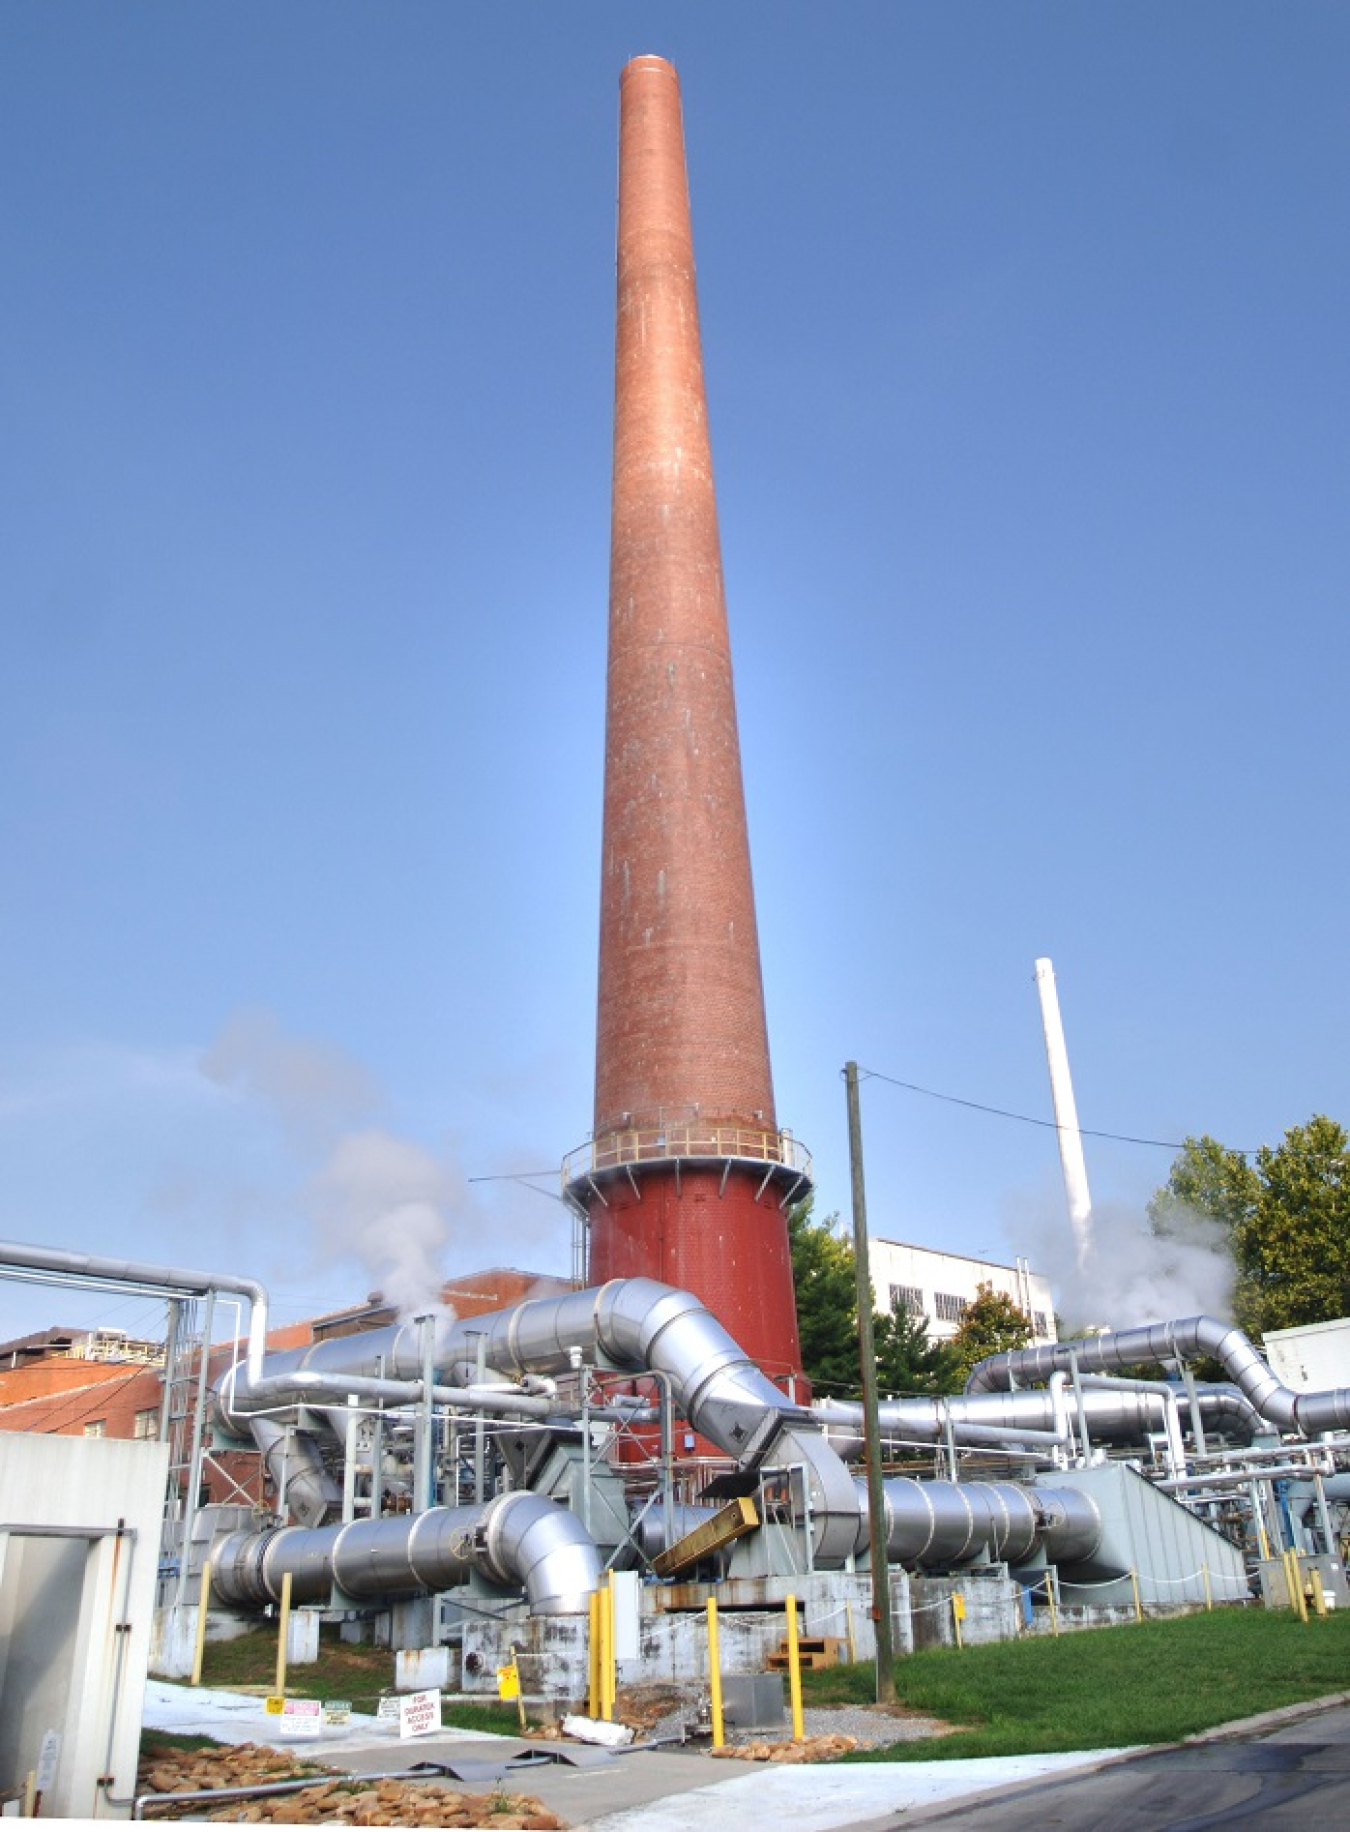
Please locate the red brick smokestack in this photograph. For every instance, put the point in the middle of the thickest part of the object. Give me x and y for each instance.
(688, 1175)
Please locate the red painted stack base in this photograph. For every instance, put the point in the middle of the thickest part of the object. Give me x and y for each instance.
(718, 1242)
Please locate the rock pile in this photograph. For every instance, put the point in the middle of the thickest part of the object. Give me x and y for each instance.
(329, 1800)
(810, 1749)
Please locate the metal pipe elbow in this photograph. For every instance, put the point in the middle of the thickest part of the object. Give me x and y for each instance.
(528, 1540)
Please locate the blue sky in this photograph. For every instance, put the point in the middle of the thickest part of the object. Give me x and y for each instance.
(1025, 336)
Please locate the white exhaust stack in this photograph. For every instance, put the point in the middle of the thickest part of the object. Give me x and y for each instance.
(1066, 1114)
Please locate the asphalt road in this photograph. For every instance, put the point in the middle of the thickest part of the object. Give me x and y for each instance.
(1295, 1774)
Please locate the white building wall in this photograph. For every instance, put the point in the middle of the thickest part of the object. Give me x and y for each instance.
(79, 1550)
(940, 1285)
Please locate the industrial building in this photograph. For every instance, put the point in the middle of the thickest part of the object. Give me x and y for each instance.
(639, 1444)
(941, 1286)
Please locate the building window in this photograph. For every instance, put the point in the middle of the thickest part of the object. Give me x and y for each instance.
(1038, 1323)
(948, 1307)
(146, 1424)
(96, 1428)
(907, 1297)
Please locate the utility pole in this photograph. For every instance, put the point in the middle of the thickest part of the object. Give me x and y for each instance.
(876, 1497)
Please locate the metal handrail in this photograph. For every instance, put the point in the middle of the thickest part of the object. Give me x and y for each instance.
(697, 1137)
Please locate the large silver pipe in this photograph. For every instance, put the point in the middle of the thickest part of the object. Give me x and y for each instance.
(1029, 1415)
(518, 1539)
(295, 1464)
(1182, 1340)
(237, 1404)
(636, 1325)
(939, 1524)
(98, 1270)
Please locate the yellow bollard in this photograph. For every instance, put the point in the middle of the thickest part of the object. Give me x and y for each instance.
(1209, 1596)
(794, 1670)
(1318, 1595)
(1138, 1606)
(280, 1687)
(1052, 1597)
(1294, 1580)
(199, 1651)
(608, 1687)
(715, 1675)
(593, 1702)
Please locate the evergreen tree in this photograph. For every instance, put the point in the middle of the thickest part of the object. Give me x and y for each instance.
(827, 1302)
(824, 1273)
(908, 1360)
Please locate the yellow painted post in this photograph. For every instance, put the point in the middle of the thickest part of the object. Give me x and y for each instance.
(280, 1686)
(607, 1685)
(794, 1670)
(958, 1611)
(1134, 1585)
(848, 1630)
(1052, 1594)
(1319, 1596)
(593, 1703)
(715, 1674)
(1294, 1580)
(1209, 1595)
(199, 1650)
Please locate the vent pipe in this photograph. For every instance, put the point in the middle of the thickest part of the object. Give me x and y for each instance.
(1066, 1113)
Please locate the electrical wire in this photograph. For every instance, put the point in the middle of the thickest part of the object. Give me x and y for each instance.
(1028, 1119)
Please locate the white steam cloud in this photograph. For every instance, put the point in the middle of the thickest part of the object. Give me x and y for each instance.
(1129, 1274)
(385, 1201)
(388, 1202)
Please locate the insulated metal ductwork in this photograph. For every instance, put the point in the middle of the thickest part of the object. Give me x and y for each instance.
(938, 1524)
(1183, 1340)
(516, 1539)
(295, 1463)
(642, 1325)
(637, 1325)
(1031, 1416)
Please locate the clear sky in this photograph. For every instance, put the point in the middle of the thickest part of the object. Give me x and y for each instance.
(1026, 337)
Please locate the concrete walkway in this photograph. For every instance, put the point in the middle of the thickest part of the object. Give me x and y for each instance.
(668, 1789)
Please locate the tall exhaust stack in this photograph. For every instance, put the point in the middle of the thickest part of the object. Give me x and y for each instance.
(1071, 1157)
(688, 1175)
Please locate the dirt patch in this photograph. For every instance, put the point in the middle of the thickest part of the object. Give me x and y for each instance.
(329, 1799)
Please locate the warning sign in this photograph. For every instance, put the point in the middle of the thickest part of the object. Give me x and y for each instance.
(302, 1717)
(508, 1681)
(337, 1711)
(419, 1713)
(275, 1705)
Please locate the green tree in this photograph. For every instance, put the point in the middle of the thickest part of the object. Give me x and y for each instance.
(827, 1301)
(991, 1324)
(1293, 1246)
(908, 1360)
(823, 1272)
(1206, 1180)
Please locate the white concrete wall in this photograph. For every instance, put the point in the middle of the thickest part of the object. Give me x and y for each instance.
(955, 1276)
(1313, 1357)
(76, 1600)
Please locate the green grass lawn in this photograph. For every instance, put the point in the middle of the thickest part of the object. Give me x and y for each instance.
(359, 1673)
(1101, 1688)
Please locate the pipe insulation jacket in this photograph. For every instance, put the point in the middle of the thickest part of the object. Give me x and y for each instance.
(633, 1325)
(1182, 1340)
(954, 1523)
(517, 1539)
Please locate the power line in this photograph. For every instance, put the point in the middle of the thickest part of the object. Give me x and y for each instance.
(1027, 1119)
